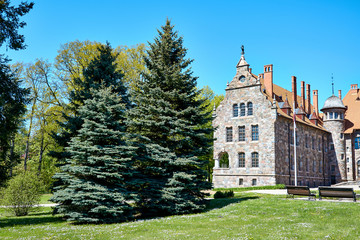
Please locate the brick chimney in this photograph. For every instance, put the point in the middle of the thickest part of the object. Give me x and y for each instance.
(268, 79)
(294, 93)
(353, 86)
(303, 95)
(308, 100)
(340, 94)
(315, 102)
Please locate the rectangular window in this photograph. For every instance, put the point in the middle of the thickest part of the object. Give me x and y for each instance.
(307, 164)
(336, 115)
(254, 159)
(254, 182)
(342, 156)
(254, 132)
(314, 166)
(331, 115)
(297, 139)
(235, 110)
(313, 143)
(291, 137)
(241, 133)
(306, 141)
(292, 162)
(241, 181)
(242, 160)
(242, 109)
(319, 144)
(341, 135)
(357, 143)
(300, 165)
(331, 146)
(229, 136)
(320, 167)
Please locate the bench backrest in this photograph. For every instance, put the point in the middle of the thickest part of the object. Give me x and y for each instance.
(298, 190)
(336, 192)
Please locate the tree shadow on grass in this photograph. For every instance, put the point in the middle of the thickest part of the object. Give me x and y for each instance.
(212, 204)
(31, 219)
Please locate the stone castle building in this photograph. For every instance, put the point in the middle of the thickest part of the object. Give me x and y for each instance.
(254, 134)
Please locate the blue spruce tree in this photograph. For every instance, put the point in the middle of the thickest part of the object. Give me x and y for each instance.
(95, 177)
(168, 113)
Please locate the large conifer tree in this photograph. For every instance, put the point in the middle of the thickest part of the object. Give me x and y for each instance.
(169, 114)
(95, 177)
(100, 72)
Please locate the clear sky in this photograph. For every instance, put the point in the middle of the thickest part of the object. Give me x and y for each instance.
(308, 39)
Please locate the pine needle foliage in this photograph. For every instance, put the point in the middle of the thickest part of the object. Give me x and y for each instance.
(169, 113)
(96, 175)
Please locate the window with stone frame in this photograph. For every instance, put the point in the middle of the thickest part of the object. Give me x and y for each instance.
(241, 181)
(254, 132)
(242, 109)
(313, 143)
(320, 166)
(229, 135)
(241, 160)
(357, 142)
(254, 182)
(314, 166)
(241, 133)
(331, 115)
(297, 138)
(325, 145)
(307, 164)
(249, 109)
(319, 144)
(254, 159)
(306, 141)
(235, 110)
(300, 164)
(291, 137)
(292, 167)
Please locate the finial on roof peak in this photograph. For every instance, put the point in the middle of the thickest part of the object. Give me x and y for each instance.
(242, 50)
(332, 83)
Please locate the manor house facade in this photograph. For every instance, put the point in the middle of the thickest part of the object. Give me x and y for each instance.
(254, 142)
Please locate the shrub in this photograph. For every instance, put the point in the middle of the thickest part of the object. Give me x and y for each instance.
(225, 194)
(22, 193)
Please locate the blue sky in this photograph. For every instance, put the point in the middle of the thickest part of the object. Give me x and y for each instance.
(308, 39)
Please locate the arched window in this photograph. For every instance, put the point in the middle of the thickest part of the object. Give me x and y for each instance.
(241, 160)
(242, 109)
(224, 160)
(235, 110)
(254, 159)
(250, 109)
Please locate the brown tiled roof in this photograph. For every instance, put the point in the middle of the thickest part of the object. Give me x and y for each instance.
(352, 114)
(280, 95)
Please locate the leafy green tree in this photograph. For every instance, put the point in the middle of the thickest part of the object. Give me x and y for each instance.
(169, 113)
(210, 102)
(22, 193)
(96, 175)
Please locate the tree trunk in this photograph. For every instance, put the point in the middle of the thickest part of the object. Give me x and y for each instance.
(41, 152)
(28, 135)
(11, 157)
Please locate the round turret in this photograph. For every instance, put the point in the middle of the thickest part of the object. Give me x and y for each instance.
(334, 111)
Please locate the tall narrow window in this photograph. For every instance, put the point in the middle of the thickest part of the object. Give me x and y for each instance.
(241, 133)
(235, 110)
(254, 182)
(254, 132)
(229, 136)
(306, 141)
(336, 115)
(331, 115)
(291, 137)
(250, 108)
(297, 139)
(242, 109)
(307, 164)
(313, 143)
(314, 166)
(254, 159)
(357, 143)
(242, 160)
(319, 144)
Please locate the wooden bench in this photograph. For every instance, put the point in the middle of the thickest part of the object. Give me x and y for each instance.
(299, 190)
(337, 192)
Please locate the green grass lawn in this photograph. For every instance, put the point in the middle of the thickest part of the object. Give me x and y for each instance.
(45, 198)
(247, 216)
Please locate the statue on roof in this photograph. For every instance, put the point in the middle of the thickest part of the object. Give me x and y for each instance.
(242, 50)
